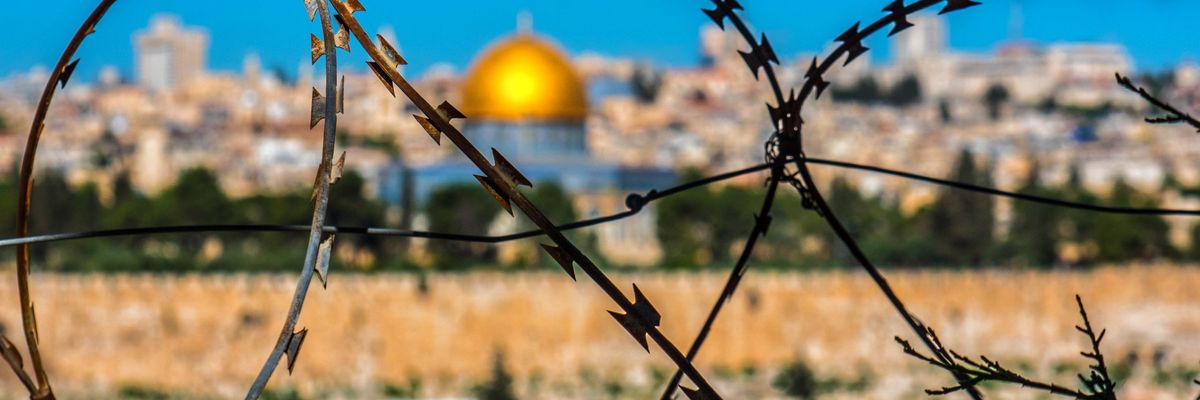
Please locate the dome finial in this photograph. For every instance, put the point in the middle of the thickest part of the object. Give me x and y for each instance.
(524, 22)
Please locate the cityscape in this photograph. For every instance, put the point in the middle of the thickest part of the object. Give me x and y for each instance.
(172, 142)
(1054, 105)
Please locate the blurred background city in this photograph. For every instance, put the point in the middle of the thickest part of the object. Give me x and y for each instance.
(198, 116)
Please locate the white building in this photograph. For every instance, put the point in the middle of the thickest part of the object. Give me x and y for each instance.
(168, 55)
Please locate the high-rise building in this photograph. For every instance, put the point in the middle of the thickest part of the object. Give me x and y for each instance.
(925, 40)
(168, 55)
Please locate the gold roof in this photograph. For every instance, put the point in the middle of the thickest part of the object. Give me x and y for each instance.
(521, 78)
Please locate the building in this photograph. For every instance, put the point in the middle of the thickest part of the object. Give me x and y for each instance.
(168, 55)
(523, 98)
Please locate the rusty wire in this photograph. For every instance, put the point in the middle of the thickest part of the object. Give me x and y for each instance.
(317, 254)
(58, 77)
(639, 317)
(786, 145)
(785, 160)
(635, 203)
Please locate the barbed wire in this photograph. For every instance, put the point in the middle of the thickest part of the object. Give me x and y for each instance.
(786, 144)
(634, 202)
(784, 154)
(58, 77)
(319, 250)
(501, 179)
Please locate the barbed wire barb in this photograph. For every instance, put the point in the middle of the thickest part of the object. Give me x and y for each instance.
(318, 251)
(59, 77)
(503, 184)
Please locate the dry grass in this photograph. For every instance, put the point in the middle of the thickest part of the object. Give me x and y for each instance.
(208, 334)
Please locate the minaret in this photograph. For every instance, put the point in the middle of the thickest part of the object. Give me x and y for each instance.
(1016, 21)
(524, 22)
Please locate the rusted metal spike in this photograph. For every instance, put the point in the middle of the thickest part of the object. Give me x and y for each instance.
(432, 130)
(563, 259)
(13, 357)
(318, 47)
(955, 5)
(763, 222)
(311, 6)
(293, 348)
(853, 40)
(814, 74)
(341, 39)
(723, 10)
(759, 56)
(354, 6)
(787, 115)
(644, 308)
(899, 17)
(694, 394)
(387, 81)
(496, 194)
(449, 112)
(510, 171)
(66, 73)
(324, 253)
(318, 109)
(341, 95)
(37, 333)
(633, 327)
(335, 173)
(391, 52)
(11, 354)
(316, 188)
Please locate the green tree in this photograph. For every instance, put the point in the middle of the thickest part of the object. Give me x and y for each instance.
(1121, 237)
(646, 84)
(557, 205)
(699, 227)
(995, 98)
(466, 209)
(962, 223)
(1035, 229)
(906, 92)
(500, 386)
(349, 206)
(797, 380)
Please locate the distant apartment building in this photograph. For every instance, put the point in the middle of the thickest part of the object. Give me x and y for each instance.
(168, 54)
(1073, 73)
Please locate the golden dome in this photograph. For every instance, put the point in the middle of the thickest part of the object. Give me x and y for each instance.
(521, 78)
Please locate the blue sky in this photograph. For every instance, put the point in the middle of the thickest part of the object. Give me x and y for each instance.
(1157, 32)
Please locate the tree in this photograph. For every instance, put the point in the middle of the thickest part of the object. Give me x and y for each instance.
(646, 84)
(1130, 237)
(797, 380)
(349, 205)
(460, 208)
(944, 111)
(995, 97)
(1035, 230)
(557, 205)
(500, 385)
(963, 222)
(906, 92)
